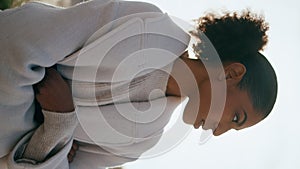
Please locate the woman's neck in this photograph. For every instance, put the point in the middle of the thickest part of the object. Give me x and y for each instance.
(186, 77)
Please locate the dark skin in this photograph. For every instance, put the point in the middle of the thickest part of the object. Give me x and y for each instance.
(72, 152)
(50, 93)
(238, 111)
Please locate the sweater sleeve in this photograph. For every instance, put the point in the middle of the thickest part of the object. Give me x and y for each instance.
(51, 140)
(57, 161)
(51, 136)
(35, 36)
(32, 37)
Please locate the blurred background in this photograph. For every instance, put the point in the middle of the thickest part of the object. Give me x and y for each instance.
(272, 144)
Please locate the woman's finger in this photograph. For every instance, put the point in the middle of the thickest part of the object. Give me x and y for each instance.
(75, 146)
(72, 152)
(70, 158)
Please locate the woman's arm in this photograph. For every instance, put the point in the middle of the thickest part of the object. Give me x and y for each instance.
(35, 36)
(32, 37)
(48, 146)
(55, 98)
(53, 93)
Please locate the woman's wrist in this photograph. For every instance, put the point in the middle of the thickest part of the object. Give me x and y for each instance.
(62, 108)
(53, 93)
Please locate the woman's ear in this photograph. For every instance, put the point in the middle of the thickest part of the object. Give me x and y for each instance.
(234, 73)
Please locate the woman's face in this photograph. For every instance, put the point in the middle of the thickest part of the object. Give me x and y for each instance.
(238, 113)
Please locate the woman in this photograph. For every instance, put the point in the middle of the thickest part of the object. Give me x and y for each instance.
(246, 72)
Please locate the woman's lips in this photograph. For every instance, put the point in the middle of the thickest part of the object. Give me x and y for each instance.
(199, 123)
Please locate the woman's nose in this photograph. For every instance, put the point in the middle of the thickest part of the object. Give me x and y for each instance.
(221, 130)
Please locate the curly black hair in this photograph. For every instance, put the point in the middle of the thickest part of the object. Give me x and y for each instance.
(240, 38)
(233, 35)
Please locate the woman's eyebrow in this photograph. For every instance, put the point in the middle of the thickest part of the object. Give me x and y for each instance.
(245, 118)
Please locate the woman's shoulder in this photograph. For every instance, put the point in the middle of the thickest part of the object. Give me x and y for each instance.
(140, 7)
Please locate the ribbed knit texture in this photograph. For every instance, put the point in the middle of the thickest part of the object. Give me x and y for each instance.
(142, 88)
(51, 136)
(47, 36)
(58, 128)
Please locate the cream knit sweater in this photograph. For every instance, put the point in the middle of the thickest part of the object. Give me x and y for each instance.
(36, 36)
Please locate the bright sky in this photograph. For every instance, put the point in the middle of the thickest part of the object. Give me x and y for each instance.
(274, 143)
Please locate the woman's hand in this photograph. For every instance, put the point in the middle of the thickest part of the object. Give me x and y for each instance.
(53, 93)
(72, 152)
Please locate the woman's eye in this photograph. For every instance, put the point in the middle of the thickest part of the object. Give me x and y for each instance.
(235, 118)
